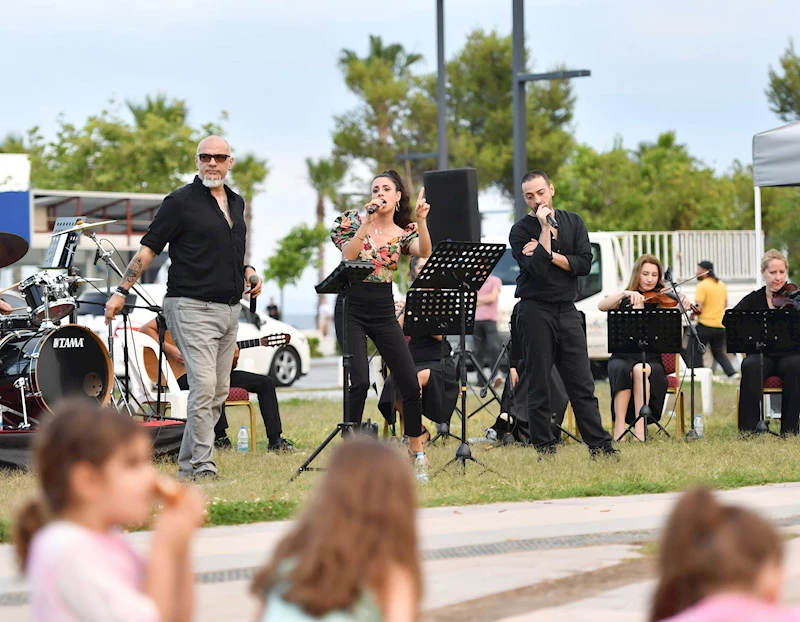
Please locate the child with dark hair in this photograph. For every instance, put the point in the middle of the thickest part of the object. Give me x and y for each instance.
(352, 556)
(95, 475)
(719, 563)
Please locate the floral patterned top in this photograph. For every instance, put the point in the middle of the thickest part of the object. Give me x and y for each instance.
(384, 257)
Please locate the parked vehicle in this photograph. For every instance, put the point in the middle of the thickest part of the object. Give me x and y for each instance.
(613, 255)
(285, 364)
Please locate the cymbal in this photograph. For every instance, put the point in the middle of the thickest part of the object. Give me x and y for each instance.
(84, 225)
(12, 249)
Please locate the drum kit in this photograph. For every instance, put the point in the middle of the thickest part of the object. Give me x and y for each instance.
(44, 355)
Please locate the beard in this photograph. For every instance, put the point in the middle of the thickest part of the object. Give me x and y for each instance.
(211, 182)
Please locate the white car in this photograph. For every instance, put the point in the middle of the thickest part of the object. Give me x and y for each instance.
(284, 364)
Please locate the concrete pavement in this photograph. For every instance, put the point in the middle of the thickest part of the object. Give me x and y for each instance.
(475, 554)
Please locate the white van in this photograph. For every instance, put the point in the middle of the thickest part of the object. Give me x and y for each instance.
(613, 255)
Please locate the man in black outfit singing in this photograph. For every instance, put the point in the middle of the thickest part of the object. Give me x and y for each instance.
(551, 258)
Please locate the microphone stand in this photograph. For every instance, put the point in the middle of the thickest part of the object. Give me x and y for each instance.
(691, 435)
(106, 256)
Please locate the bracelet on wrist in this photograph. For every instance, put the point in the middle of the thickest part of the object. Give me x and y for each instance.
(122, 291)
(249, 266)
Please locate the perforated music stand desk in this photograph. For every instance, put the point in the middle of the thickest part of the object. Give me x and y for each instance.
(462, 268)
(340, 281)
(762, 331)
(643, 332)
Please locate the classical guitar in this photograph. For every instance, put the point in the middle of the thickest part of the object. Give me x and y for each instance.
(179, 369)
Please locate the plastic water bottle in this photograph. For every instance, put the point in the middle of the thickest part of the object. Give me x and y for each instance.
(243, 440)
(698, 426)
(421, 467)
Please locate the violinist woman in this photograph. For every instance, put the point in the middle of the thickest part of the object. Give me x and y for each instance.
(625, 370)
(774, 269)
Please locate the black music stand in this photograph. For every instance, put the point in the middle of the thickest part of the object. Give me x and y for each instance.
(760, 331)
(644, 331)
(463, 267)
(340, 281)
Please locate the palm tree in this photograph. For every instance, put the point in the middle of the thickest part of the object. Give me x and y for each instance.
(174, 111)
(326, 177)
(249, 173)
(380, 57)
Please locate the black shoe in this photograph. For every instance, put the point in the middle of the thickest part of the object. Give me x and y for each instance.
(281, 445)
(604, 451)
(205, 476)
(546, 450)
(223, 442)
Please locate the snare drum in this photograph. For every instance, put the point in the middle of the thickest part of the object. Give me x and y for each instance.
(53, 287)
(57, 363)
(9, 323)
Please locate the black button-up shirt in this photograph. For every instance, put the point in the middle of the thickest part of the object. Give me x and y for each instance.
(539, 278)
(207, 255)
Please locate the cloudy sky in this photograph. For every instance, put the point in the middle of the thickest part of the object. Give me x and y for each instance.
(698, 67)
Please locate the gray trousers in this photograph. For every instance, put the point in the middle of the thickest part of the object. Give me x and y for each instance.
(205, 333)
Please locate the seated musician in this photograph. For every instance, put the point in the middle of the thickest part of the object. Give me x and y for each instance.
(775, 270)
(261, 385)
(625, 370)
(514, 401)
(436, 373)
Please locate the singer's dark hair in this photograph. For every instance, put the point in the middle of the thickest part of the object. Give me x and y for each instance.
(402, 217)
(535, 175)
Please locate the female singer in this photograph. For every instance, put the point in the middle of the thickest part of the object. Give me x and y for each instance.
(625, 370)
(381, 237)
(774, 269)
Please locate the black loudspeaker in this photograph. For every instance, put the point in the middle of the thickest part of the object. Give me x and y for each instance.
(453, 197)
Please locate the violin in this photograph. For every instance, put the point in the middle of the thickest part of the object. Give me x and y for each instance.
(787, 298)
(666, 299)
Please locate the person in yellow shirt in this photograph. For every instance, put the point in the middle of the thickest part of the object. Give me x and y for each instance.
(712, 299)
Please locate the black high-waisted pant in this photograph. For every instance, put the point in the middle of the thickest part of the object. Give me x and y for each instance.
(370, 313)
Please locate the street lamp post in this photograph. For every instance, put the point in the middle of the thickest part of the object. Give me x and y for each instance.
(519, 79)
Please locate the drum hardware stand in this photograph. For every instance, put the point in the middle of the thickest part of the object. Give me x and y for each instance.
(340, 281)
(19, 383)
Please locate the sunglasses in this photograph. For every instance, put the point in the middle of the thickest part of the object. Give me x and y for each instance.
(219, 157)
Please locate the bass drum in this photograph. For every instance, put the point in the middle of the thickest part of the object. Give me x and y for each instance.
(70, 361)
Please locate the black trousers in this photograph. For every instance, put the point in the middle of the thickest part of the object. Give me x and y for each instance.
(261, 385)
(554, 333)
(788, 368)
(715, 337)
(370, 313)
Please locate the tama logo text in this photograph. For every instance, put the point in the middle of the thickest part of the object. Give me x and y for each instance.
(68, 342)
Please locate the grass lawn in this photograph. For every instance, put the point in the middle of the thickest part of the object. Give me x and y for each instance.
(256, 487)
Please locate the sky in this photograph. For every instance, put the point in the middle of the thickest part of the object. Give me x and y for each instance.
(698, 67)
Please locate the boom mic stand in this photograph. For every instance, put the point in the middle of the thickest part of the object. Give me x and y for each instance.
(691, 435)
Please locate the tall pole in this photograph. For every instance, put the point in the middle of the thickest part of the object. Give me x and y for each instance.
(441, 108)
(519, 107)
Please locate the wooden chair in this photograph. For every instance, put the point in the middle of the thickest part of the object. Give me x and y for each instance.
(240, 397)
(670, 363)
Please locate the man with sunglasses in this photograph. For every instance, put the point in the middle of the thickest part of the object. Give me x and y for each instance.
(203, 223)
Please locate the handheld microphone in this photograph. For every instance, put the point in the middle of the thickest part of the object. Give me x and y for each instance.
(551, 221)
(373, 208)
(253, 283)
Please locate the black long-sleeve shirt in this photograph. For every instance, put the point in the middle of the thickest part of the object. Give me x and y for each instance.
(539, 278)
(207, 254)
(754, 300)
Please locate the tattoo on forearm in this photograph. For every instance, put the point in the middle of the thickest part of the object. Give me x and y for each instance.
(133, 271)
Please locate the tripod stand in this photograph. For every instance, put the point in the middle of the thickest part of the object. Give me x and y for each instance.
(340, 281)
(643, 332)
(462, 268)
(762, 331)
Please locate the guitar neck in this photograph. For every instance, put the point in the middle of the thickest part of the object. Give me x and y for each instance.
(248, 343)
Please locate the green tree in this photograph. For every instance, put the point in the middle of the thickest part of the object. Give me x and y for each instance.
(381, 80)
(248, 175)
(326, 177)
(153, 153)
(294, 254)
(783, 91)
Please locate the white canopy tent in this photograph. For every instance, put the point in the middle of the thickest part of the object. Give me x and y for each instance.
(776, 162)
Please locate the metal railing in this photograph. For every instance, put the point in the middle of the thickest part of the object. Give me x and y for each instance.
(732, 252)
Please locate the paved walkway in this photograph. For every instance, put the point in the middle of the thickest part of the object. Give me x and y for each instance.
(475, 554)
